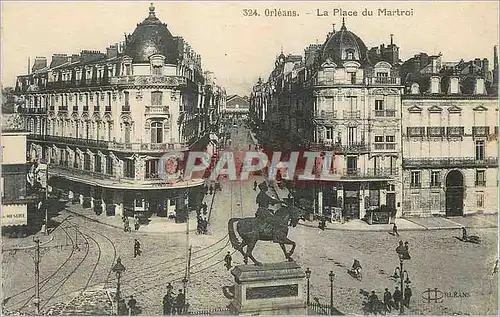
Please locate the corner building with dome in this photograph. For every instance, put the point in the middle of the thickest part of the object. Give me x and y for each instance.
(103, 120)
(343, 98)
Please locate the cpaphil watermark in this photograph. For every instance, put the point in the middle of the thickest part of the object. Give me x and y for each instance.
(305, 165)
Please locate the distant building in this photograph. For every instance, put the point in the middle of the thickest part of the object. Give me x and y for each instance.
(103, 120)
(419, 137)
(450, 132)
(341, 98)
(18, 204)
(236, 107)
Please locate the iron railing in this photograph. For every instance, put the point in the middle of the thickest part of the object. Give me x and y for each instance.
(149, 147)
(449, 162)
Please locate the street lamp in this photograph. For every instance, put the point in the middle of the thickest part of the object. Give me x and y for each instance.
(399, 272)
(308, 276)
(118, 268)
(332, 277)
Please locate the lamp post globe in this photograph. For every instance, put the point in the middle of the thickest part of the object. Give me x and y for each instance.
(118, 268)
(332, 277)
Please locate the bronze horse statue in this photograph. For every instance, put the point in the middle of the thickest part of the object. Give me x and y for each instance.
(250, 231)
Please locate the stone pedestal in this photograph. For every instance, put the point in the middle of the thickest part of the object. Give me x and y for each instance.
(271, 289)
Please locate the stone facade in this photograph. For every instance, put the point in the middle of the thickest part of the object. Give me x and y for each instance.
(108, 118)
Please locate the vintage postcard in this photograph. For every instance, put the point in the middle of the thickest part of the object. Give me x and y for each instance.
(249, 158)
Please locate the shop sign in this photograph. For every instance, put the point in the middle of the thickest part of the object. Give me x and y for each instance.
(14, 215)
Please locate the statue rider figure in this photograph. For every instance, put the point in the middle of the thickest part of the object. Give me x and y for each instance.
(264, 214)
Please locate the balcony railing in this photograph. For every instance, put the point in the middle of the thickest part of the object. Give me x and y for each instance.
(449, 162)
(149, 80)
(415, 185)
(387, 113)
(77, 171)
(385, 146)
(480, 131)
(107, 109)
(435, 185)
(352, 114)
(340, 148)
(32, 110)
(126, 109)
(157, 109)
(148, 147)
(382, 80)
(368, 173)
(139, 147)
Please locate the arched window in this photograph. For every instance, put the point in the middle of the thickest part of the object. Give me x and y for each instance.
(349, 54)
(156, 132)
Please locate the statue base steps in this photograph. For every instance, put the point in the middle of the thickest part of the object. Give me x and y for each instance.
(270, 289)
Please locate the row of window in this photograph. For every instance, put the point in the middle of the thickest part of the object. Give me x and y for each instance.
(100, 72)
(435, 179)
(73, 99)
(448, 131)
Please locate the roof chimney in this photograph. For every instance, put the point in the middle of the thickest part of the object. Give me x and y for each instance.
(112, 51)
(58, 59)
(392, 39)
(40, 62)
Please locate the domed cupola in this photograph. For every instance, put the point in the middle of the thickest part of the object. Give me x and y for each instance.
(343, 45)
(150, 37)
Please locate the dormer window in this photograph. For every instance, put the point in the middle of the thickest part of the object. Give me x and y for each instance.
(454, 85)
(479, 86)
(157, 70)
(415, 89)
(435, 85)
(349, 54)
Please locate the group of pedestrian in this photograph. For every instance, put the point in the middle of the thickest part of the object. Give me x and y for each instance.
(126, 224)
(396, 299)
(130, 308)
(174, 304)
(201, 217)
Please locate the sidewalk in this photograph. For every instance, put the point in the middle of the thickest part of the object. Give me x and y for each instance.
(405, 224)
(157, 225)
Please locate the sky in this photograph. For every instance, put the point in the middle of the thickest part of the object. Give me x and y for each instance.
(238, 48)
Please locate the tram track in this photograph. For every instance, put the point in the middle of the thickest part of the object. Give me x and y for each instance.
(45, 280)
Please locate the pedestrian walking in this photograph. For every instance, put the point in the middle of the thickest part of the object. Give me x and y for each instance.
(407, 246)
(122, 307)
(204, 207)
(180, 303)
(211, 189)
(126, 224)
(407, 296)
(387, 300)
(254, 185)
(137, 248)
(228, 259)
(397, 296)
(167, 303)
(395, 229)
(372, 301)
(137, 225)
(132, 305)
(495, 269)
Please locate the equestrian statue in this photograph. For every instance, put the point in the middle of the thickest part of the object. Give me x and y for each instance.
(265, 226)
